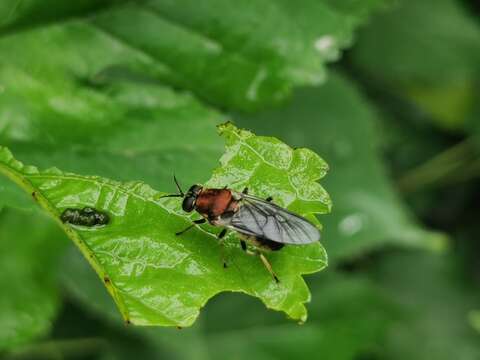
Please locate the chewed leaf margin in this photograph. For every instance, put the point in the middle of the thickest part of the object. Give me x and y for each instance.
(305, 166)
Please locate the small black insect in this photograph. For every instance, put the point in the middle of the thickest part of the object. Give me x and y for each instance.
(86, 217)
(262, 223)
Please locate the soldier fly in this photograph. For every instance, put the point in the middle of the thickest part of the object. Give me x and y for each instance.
(265, 225)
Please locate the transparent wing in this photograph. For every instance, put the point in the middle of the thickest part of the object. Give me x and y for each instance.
(261, 218)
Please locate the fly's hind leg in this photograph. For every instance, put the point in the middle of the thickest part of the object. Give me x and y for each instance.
(262, 257)
(268, 266)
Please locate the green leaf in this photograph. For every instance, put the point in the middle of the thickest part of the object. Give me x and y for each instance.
(28, 265)
(227, 53)
(336, 121)
(437, 68)
(157, 278)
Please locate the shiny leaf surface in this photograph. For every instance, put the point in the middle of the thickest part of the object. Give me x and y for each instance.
(436, 68)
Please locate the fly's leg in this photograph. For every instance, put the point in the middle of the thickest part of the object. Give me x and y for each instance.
(195, 222)
(243, 244)
(222, 252)
(222, 234)
(245, 191)
(265, 262)
(268, 266)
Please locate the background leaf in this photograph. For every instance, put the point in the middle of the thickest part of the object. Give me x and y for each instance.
(433, 292)
(436, 68)
(205, 49)
(28, 268)
(19, 14)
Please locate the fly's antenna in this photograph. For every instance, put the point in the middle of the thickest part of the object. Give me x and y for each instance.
(179, 190)
(178, 186)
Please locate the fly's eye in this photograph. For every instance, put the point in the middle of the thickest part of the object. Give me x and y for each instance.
(188, 203)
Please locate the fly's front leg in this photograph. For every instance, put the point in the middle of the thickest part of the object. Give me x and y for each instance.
(262, 257)
(195, 222)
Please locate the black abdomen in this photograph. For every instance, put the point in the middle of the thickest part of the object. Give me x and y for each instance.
(269, 244)
(264, 243)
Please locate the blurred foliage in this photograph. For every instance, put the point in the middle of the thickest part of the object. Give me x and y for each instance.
(133, 91)
(430, 53)
(28, 276)
(437, 298)
(204, 48)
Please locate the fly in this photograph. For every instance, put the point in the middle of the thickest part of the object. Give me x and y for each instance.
(262, 223)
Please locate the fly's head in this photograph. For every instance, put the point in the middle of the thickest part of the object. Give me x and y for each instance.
(190, 198)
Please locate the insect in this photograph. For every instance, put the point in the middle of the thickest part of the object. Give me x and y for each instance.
(86, 217)
(262, 223)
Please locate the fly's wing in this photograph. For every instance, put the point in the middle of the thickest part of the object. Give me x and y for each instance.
(261, 218)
